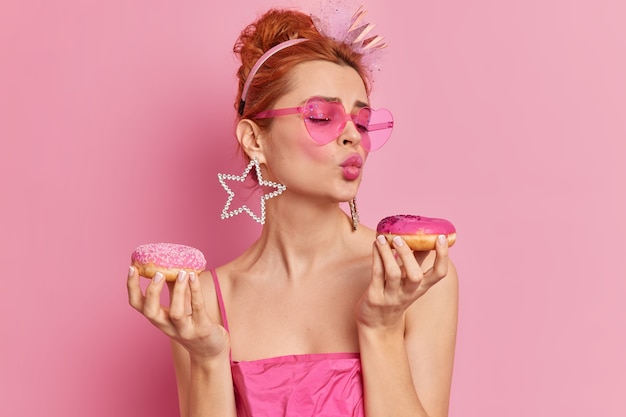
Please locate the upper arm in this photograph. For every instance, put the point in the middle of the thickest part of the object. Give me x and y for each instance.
(431, 326)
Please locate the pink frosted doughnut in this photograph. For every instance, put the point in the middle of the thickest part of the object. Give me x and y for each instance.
(167, 258)
(419, 232)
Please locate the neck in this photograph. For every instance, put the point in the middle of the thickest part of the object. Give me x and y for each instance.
(299, 235)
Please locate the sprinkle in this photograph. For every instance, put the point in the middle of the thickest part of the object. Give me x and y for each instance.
(170, 255)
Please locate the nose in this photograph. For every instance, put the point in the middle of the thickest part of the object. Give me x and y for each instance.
(349, 135)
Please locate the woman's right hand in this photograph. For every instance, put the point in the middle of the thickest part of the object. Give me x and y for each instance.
(186, 320)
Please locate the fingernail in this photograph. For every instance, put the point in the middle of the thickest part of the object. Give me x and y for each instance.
(192, 276)
(131, 271)
(381, 239)
(181, 275)
(442, 240)
(158, 277)
(398, 242)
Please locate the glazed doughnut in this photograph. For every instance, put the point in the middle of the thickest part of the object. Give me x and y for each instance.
(419, 232)
(167, 258)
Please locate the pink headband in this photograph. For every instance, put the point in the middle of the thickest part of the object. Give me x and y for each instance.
(258, 64)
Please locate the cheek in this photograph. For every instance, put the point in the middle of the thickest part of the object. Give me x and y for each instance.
(292, 143)
(310, 149)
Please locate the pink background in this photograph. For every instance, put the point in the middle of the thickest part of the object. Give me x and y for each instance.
(116, 117)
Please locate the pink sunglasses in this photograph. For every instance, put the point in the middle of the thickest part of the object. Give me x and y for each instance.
(325, 120)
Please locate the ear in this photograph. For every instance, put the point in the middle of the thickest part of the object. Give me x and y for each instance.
(250, 139)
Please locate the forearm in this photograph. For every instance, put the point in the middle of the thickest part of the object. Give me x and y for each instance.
(387, 382)
(211, 392)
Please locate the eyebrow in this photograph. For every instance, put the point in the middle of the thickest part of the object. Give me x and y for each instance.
(360, 104)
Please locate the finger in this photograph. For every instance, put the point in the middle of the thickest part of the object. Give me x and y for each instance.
(135, 296)
(414, 274)
(152, 308)
(393, 273)
(198, 309)
(188, 297)
(177, 301)
(440, 266)
(378, 271)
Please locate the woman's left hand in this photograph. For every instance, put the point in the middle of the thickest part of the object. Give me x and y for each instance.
(398, 280)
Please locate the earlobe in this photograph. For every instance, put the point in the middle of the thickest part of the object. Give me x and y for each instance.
(249, 137)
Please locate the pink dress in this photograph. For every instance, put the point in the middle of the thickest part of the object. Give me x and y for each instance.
(320, 385)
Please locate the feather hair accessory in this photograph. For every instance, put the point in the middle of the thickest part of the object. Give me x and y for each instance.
(336, 20)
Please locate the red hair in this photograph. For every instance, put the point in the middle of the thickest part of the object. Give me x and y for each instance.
(272, 79)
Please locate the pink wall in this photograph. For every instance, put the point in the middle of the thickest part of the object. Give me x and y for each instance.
(116, 116)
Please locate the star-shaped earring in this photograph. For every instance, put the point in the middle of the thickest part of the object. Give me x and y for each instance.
(279, 188)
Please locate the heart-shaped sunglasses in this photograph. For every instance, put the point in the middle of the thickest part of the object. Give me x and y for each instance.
(325, 120)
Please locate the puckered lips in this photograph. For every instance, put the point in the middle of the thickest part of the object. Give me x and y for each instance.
(352, 167)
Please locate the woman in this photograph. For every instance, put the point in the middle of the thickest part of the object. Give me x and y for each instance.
(319, 317)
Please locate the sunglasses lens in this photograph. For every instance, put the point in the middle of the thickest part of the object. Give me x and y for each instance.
(325, 120)
(378, 129)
